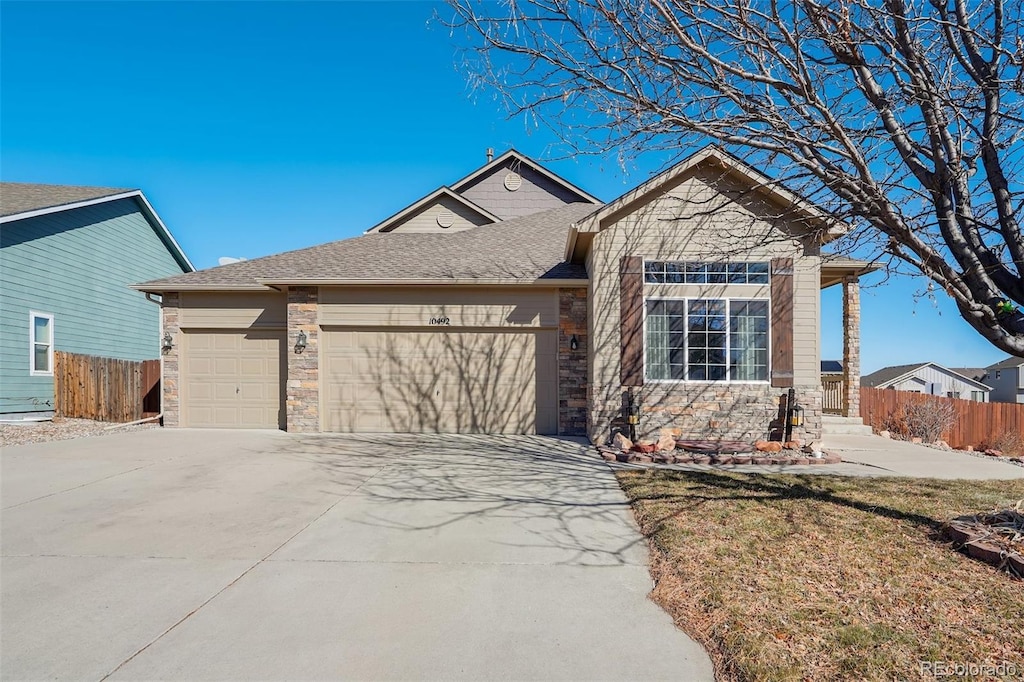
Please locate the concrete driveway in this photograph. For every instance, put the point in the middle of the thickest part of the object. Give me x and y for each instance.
(226, 555)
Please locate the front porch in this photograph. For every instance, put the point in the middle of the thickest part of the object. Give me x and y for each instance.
(840, 385)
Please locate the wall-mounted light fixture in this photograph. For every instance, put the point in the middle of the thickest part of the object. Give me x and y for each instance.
(573, 343)
(167, 343)
(300, 342)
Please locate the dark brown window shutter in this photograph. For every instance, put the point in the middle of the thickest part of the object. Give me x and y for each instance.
(782, 322)
(631, 313)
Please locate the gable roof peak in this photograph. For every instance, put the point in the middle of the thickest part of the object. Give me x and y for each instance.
(514, 154)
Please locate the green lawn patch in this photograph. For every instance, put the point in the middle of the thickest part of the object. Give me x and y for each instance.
(787, 577)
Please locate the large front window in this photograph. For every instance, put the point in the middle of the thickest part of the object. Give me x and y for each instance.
(707, 339)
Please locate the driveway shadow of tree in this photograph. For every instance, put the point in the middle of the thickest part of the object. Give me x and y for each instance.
(547, 496)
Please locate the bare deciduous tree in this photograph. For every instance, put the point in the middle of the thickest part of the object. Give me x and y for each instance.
(901, 117)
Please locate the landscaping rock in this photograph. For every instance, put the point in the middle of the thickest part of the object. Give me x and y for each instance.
(622, 456)
(994, 453)
(941, 445)
(761, 459)
(984, 551)
(662, 458)
(620, 442)
(799, 460)
(768, 446)
(609, 456)
(721, 459)
(638, 458)
(969, 448)
(885, 434)
(742, 459)
(702, 459)
(666, 443)
(684, 459)
(915, 439)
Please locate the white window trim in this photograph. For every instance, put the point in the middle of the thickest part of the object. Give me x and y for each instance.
(728, 367)
(705, 284)
(32, 316)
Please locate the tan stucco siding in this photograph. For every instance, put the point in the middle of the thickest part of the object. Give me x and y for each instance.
(233, 310)
(699, 219)
(439, 306)
(426, 220)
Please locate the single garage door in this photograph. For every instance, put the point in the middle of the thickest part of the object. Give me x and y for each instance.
(440, 381)
(232, 379)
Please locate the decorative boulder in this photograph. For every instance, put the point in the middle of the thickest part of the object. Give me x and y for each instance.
(792, 445)
(885, 434)
(768, 446)
(620, 442)
(666, 443)
(915, 439)
(645, 446)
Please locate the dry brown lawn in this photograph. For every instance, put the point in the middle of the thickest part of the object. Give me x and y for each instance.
(788, 577)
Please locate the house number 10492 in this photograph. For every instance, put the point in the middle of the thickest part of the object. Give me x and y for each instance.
(443, 321)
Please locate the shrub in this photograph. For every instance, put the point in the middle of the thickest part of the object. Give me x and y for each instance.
(1010, 443)
(929, 419)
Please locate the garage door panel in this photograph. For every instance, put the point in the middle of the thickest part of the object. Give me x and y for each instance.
(437, 381)
(232, 378)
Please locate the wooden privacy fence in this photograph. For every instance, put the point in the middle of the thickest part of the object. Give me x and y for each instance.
(105, 389)
(976, 424)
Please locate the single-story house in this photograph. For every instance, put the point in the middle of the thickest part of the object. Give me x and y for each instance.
(929, 378)
(512, 301)
(67, 257)
(1006, 378)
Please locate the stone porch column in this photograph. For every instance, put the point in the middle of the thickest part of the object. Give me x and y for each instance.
(303, 381)
(851, 346)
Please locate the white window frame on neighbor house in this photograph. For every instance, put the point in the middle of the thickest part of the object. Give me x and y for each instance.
(32, 343)
(728, 300)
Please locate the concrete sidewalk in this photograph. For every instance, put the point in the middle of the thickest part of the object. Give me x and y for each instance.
(907, 459)
(179, 554)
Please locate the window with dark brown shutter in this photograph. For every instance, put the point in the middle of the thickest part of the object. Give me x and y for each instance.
(782, 322)
(631, 313)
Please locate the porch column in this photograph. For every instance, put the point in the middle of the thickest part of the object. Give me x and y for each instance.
(851, 346)
(303, 380)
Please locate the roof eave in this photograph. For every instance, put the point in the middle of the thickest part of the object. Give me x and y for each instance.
(437, 281)
(156, 288)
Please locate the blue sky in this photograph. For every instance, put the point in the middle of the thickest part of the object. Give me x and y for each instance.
(260, 127)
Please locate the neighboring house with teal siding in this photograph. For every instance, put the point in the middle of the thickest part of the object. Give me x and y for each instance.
(67, 256)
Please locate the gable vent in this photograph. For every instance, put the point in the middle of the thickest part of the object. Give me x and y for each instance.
(513, 181)
(445, 219)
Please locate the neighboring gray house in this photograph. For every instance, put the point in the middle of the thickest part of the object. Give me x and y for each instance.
(67, 256)
(929, 378)
(1007, 380)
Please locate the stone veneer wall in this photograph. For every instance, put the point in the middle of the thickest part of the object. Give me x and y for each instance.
(572, 364)
(722, 411)
(303, 381)
(171, 406)
(851, 346)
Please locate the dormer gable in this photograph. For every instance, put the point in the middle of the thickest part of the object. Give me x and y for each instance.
(440, 211)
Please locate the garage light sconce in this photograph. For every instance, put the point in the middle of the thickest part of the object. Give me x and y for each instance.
(300, 342)
(573, 343)
(167, 343)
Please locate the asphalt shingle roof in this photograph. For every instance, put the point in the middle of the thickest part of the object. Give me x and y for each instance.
(531, 247)
(1011, 361)
(887, 374)
(19, 197)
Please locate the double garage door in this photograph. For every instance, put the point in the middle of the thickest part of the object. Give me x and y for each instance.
(440, 381)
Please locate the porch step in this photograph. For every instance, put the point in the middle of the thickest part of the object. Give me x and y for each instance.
(834, 425)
